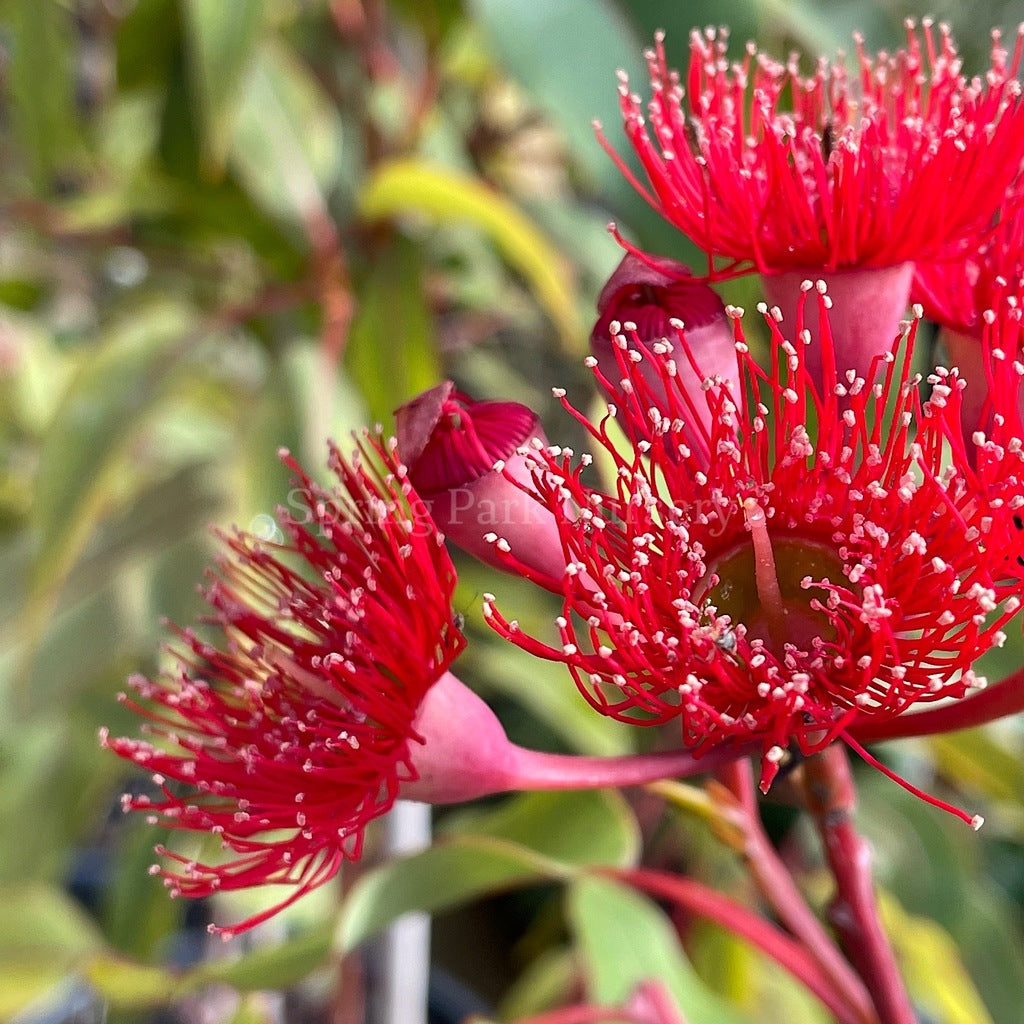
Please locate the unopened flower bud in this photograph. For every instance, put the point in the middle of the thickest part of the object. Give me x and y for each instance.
(659, 324)
(465, 459)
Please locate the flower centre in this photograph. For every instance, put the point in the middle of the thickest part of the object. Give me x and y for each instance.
(760, 584)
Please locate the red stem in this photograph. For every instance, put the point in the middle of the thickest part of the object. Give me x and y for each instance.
(736, 918)
(831, 800)
(996, 701)
(779, 889)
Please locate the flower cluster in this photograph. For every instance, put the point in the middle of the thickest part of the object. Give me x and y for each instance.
(787, 551)
(324, 692)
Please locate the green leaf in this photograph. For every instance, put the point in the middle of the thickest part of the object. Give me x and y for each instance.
(40, 920)
(553, 824)
(975, 759)
(819, 30)
(159, 517)
(255, 1009)
(44, 934)
(96, 420)
(286, 144)
(29, 755)
(221, 38)
(549, 980)
(129, 985)
(78, 644)
(532, 838)
(328, 402)
(82, 454)
(272, 967)
(624, 939)
(447, 196)
(444, 876)
(755, 983)
(391, 353)
(40, 77)
(148, 42)
(435, 18)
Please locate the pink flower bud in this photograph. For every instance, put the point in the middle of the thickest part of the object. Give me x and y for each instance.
(466, 460)
(652, 300)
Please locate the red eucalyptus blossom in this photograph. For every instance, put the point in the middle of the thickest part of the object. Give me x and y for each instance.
(886, 166)
(839, 560)
(295, 727)
(860, 178)
(956, 292)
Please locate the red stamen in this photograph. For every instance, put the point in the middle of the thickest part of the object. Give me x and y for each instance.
(974, 820)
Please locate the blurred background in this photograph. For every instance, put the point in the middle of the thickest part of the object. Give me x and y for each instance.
(231, 225)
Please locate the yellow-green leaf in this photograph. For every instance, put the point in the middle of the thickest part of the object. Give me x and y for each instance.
(932, 967)
(131, 986)
(446, 196)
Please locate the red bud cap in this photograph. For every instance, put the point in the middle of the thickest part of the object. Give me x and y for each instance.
(451, 445)
(661, 330)
(651, 291)
(449, 440)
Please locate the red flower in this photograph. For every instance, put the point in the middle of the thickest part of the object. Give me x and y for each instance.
(838, 561)
(292, 730)
(893, 166)
(956, 291)
(964, 288)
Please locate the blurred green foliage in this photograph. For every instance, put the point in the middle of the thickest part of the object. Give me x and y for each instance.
(231, 225)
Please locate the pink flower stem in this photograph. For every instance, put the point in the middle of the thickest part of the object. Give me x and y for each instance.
(533, 769)
(779, 889)
(996, 701)
(586, 1014)
(831, 799)
(734, 917)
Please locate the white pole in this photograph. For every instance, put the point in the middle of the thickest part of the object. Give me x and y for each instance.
(406, 951)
